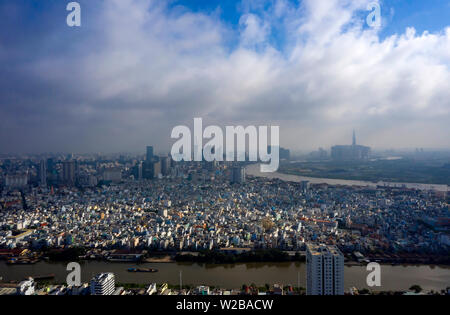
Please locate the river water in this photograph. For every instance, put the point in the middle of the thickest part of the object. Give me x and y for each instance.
(235, 275)
(254, 170)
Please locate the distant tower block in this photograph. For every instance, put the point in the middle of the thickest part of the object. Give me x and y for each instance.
(43, 173)
(149, 156)
(351, 152)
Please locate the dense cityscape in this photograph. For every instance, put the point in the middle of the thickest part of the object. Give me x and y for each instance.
(129, 208)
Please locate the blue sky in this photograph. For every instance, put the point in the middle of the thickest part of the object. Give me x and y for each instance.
(423, 15)
(431, 15)
(137, 68)
(36, 15)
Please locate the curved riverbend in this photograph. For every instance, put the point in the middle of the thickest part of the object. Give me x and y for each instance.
(254, 170)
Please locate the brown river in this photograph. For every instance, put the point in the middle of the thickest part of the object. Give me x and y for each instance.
(234, 275)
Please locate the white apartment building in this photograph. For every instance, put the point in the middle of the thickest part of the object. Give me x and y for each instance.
(103, 284)
(26, 287)
(324, 270)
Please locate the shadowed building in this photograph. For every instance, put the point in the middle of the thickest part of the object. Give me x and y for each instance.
(149, 155)
(237, 175)
(69, 172)
(165, 165)
(151, 170)
(43, 173)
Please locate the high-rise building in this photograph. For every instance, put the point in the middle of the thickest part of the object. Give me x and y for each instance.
(52, 174)
(350, 152)
(149, 156)
(165, 165)
(139, 170)
(69, 172)
(324, 270)
(26, 287)
(237, 175)
(43, 173)
(50, 165)
(103, 284)
(151, 170)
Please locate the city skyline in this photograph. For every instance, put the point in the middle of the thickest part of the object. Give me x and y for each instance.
(136, 69)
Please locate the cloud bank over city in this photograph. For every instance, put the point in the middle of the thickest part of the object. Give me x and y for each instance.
(137, 68)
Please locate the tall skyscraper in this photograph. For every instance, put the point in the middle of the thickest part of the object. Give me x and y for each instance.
(43, 173)
(52, 174)
(69, 172)
(103, 284)
(151, 170)
(165, 165)
(50, 165)
(139, 170)
(324, 270)
(149, 153)
(350, 152)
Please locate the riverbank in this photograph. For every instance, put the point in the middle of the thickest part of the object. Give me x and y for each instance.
(389, 171)
(164, 259)
(254, 170)
(393, 278)
(223, 256)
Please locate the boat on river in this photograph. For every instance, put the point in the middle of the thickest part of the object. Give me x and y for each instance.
(142, 270)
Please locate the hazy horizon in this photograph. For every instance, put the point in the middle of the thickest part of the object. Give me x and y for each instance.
(292, 151)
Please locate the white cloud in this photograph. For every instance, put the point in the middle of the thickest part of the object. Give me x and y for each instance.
(254, 30)
(146, 69)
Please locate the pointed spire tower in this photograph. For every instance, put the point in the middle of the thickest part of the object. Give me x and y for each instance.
(354, 138)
